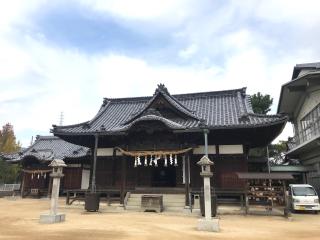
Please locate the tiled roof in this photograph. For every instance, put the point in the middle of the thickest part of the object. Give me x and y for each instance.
(308, 65)
(299, 67)
(214, 110)
(10, 157)
(47, 148)
(303, 76)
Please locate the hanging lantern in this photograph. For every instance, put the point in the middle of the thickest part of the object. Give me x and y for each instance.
(175, 160)
(139, 162)
(32, 176)
(38, 175)
(165, 161)
(135, 161)
(45, 176)
(171, 159)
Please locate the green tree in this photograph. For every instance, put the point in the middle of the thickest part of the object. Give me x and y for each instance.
(277, 152)
(8, 144)
(9, 173)
(261, 103)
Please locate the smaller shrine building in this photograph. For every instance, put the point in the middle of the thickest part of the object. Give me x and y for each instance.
(35, 175)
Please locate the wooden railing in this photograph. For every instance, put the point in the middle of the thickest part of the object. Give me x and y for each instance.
(303, 136)
(10, 187)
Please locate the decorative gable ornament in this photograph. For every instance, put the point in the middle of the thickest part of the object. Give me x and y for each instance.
(161, 97)
(161, 88)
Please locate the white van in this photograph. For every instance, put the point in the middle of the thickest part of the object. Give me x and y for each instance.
(303, 197)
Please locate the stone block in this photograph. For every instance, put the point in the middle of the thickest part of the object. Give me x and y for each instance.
(48, 218)
(211, 225)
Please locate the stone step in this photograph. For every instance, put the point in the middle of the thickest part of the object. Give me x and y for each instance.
(133, 208)
(173, 209)
(165, 201)
(169, 209)
(165, 197)
(164, 205)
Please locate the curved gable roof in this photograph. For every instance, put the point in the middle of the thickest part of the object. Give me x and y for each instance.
(216, 110)
(162, 91)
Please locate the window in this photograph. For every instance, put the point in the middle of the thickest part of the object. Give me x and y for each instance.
(310, 124)
(303, 191)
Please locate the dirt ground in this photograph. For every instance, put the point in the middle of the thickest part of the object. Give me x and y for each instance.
(19, 220)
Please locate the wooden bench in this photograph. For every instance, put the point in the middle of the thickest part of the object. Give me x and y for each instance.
(79, 194)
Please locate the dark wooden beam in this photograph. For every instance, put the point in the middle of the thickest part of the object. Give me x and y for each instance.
(23, 184)
(93, 184)
(91, 168)
(187, 178)
(114, 167)
(123, 179)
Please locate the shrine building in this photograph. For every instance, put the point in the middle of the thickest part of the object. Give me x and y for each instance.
(152, 144)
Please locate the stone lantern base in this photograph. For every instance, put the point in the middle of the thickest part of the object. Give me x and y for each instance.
(51, 218)
(211, 225)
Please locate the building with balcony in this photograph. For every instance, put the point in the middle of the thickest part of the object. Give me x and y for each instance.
(300, 100)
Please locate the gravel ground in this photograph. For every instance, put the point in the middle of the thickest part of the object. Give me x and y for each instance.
(19, 220)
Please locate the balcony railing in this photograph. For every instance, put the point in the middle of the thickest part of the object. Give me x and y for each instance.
(307, 134)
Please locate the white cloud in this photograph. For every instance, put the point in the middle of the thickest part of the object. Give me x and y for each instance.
(303, 13)
(16, 12)
(143, 9)
(224, 52)
(188, 52)
(287, 132)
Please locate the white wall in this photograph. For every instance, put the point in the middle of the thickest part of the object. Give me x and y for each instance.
(107, 152)
(230, 149)
(200, 149)
(85, 179)
(223, 149)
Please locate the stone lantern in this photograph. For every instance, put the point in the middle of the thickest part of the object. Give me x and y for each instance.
(54, 216)
(207, 223)
(205, 164)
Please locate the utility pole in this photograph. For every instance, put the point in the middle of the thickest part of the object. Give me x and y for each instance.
(61, 119)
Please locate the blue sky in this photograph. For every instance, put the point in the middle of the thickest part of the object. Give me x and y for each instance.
(65, 56)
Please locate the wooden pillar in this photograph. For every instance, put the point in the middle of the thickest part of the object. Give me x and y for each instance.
(23, 184)
(123, 179)
(114, 168)
(186, 159)
(286, 211)
(91, 167)
(93, 184)
(246, 197)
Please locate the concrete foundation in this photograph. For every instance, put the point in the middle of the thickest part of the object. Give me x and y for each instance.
(49, 218)
(211, 225)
